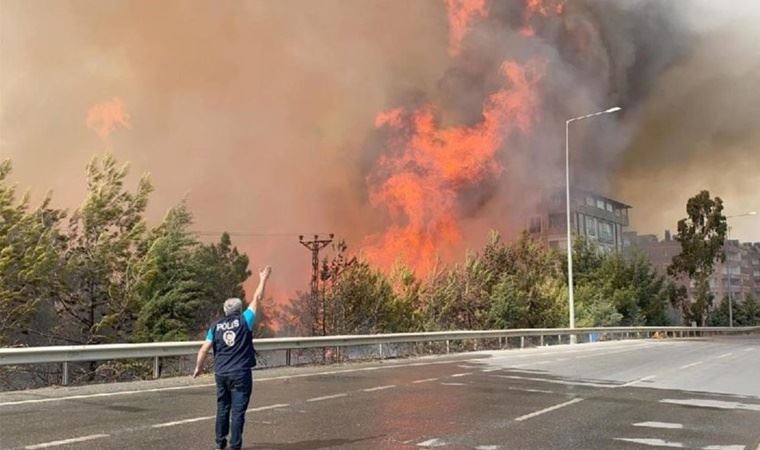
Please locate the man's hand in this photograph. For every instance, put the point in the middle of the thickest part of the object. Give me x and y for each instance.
(197, 372)
(264, 273)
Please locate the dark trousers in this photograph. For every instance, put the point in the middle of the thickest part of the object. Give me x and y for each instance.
(233, 391)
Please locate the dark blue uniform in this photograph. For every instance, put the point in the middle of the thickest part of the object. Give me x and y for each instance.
(234, 357)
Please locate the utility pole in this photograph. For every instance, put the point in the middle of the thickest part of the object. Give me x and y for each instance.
(315, 245)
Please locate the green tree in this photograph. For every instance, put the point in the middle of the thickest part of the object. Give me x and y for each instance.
(222, 269)
(105, 244)
(748, 312)
(171, 292)
(530, 291)
(702, 235)
(719, 317)
(29, 253)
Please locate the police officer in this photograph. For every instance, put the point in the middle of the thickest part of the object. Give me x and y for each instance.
(231, 338)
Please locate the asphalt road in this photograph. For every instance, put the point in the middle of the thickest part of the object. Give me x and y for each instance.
(690, 393)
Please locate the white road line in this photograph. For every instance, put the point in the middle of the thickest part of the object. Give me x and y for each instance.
(725, 355)
(716, 404)
(67, 441)
(457, 375)
(265, 408)
(652, 441)
(206, 385)
(549, 409)
(538, 391)
(634, 382)
(326, 397)
(724, 447)
(426, 380)
(546, 380)
(181, 422)
(488, 447)
(749, 350)
(380, 388)
(453, 384)
(664, 425)
(200, 419)
(691, 365)
(435, 442)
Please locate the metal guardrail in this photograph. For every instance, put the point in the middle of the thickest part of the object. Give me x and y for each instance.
(79, 353)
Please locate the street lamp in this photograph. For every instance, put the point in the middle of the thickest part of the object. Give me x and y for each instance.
(728, 269)
(567, 204)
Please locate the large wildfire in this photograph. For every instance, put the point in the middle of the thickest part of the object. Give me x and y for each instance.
(409, 128)
(426, 165)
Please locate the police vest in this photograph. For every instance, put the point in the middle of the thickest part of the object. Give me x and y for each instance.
(233, 345)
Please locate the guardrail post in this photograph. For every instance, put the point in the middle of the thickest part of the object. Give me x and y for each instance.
(448, 346)
(522, 341)
(287, 357)
(559, 339)
(156, 367)
(65, 373)
(542, 340)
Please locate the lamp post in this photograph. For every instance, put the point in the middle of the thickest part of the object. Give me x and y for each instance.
(567, 205)
(728, 269)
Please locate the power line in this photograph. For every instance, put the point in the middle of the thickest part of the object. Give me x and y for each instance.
(246, 234)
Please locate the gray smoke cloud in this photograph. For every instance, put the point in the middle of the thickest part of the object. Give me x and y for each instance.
(261, 113)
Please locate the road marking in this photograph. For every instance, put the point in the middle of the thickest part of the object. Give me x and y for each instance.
(453, 384)
(207, 385)
(549, 409)
(67, 441)
(749, 350)
(326, 397)
(457, 375)
(725, 355)
(724, 447)
(538, 391)
(665, 425)
(488, 447)
(634, 382)
(200, 419)
(691, 365)
(435, 442)
(546, 380)
(652, 441)
(426, 380)
(181, 422)
(379, 388)
(264, 408)
(716, 404)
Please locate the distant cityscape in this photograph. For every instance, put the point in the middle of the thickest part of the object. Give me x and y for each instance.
(603, 220)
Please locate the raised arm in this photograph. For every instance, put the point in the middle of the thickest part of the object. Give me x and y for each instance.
(259, 294)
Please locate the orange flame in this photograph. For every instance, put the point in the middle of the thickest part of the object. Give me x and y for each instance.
(105, 117)
(461, 14)
(426, 166)
(542, 8)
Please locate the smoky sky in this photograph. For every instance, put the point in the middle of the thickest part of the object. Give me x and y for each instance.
(260, 114)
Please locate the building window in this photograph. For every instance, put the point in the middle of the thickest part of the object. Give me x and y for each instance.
(590, 226)
(617, 212)
(605, 231)
(609, 206)
(589, 201)
(600, 204)
(557, 221)
(535, 225)
(756, 262)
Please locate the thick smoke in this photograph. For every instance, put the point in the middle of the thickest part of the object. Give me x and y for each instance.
(261, 113)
